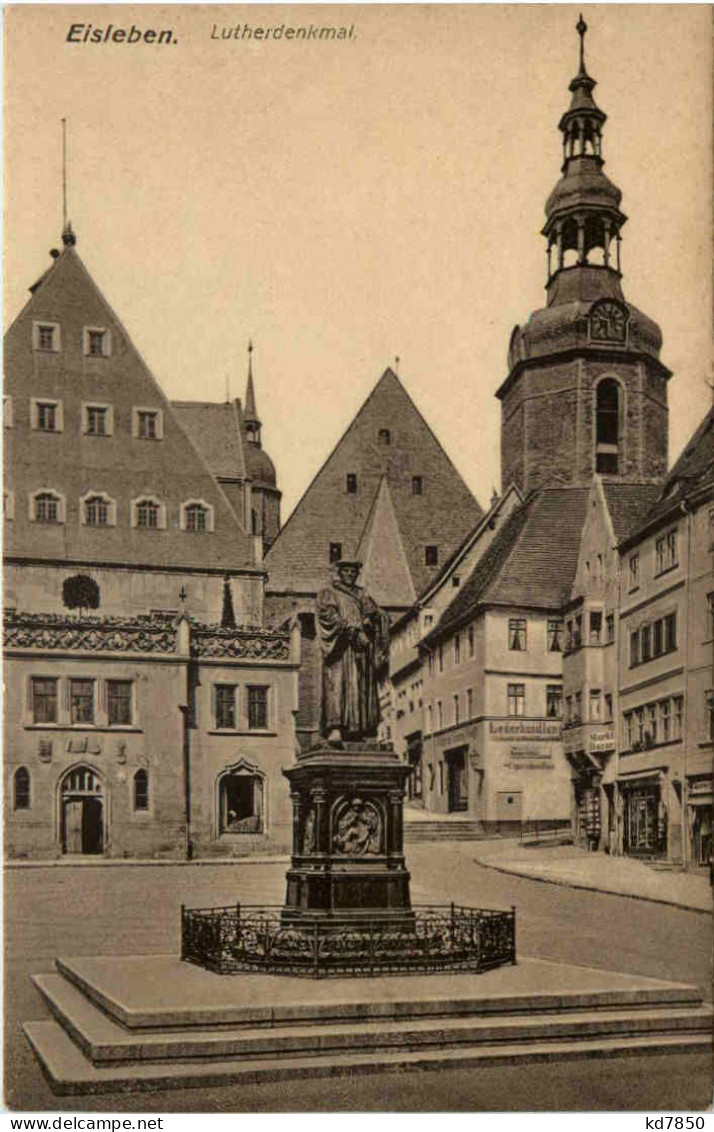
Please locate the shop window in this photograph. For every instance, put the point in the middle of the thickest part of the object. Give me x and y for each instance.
(21, 789)
(517, 634)
(43, 693)
(141, 790)
(225, 705)
(241, 800)
(516, 699)
(257, 707)
(119, 703)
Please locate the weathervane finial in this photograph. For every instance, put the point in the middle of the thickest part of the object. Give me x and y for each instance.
(581, 27)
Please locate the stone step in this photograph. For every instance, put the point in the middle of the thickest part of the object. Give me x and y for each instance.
(70, 1072)
(103, 1040)
(159, 991)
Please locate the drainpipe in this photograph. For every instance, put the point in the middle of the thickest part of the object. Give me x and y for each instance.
(684, 794)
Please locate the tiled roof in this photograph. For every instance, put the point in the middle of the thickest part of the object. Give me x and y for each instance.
(531, 562)
(693, 470)
(385, 571)
(214, 429)
(441, 514)
(629, 505)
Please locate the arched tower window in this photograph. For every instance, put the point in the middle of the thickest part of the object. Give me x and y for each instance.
(141, 790)
(607, 435)
(21, 799)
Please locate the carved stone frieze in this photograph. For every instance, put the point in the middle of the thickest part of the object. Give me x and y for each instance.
(251, 645)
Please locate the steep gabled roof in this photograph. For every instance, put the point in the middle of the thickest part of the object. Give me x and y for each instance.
(629, 504)
(530, 563)
(385, 570)
(214, 429)
(692, 471)
(119, 464)
(442, 515)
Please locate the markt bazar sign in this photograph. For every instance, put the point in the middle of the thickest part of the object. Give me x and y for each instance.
(508, 730)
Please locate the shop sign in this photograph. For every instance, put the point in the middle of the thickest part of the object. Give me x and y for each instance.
(510, 729)
(529, 758)
(602, 741)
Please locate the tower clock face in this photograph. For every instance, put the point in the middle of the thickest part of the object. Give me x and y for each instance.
(608, 322)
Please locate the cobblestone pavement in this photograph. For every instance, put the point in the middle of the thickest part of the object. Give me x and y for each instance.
(136, 911)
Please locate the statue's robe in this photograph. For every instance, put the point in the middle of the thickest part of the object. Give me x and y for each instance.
(354, 635)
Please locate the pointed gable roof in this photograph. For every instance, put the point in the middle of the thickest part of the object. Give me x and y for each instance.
(445, 512)
(121, 465)
(531, 563)
(385, 570)
(629, 505)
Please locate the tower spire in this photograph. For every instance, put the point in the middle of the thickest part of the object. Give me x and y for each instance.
(581, 27)
(68, 236)
(250, 412)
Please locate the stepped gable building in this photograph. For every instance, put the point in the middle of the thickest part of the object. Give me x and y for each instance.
(584, 423)
(388, 495)
(148, 711)
(229, 440)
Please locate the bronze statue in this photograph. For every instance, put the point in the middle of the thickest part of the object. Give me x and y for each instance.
(354, 634)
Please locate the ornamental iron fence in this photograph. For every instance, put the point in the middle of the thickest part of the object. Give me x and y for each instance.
(439, 938)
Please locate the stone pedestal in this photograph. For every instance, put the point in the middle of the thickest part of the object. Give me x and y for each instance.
(348, 855)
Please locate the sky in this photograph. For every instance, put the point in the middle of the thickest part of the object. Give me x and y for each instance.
(346, 202)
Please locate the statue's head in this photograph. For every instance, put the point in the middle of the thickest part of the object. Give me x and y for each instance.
(348, 572)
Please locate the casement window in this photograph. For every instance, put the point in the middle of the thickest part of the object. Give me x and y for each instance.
(197, 516)
(431, 555)
(429, 719)
(47, 507)
(98, 510)
(610, 628)
(634, 648)
(457, 710)
(335, 553)
(553, 701)
(46, 337)
(517, 634)
(351, 483)
(471, 642)
(578, 707)
(96, 342)
(43, 698)
(555, 636)
(98, 420)
(21, 789)
(457, 649)
(595, 627)
(81, 701)
(147, 424)
(665, 719)
(672, 552)
(645, 643)
(148, 513)
(595, 714)
(46, 415)
(568, 710)
(678, 717)
(120, 695)
(657, 638)
(670, 632)
(225, 705)
(141, 790)
(629, 735)
(640, 725)
(469, 703)
(709, 715)
(634, 571)
(441, 658)
(430, 664)
(384, 437)
(417, 485)
(257, 707)
(516, 699)
(439, 714)
(608, 707)
(578, 631)
(651, 731)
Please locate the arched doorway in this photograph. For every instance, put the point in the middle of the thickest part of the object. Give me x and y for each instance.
(82, 812)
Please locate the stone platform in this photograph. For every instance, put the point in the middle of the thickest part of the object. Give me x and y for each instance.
(141, 1023)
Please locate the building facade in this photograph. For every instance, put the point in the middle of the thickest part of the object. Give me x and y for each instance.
(148, 712)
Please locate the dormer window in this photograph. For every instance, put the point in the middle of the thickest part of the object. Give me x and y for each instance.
(148, 424)
(46, 337)
(96, 342)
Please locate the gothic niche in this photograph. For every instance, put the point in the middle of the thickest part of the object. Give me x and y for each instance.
(241, 799)
(357, 829)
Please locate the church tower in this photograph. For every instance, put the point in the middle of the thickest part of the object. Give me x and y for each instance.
(265, 507)
(586, 391)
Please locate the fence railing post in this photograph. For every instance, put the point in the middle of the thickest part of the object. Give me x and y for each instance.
(513, 934)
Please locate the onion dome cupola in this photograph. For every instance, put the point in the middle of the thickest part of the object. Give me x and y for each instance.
(584, 220)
